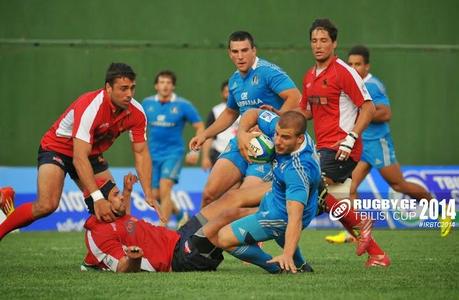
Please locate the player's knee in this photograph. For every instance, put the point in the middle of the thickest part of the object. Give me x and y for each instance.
(209, 195)
(397, 187)
(222, 240)
(44, 207)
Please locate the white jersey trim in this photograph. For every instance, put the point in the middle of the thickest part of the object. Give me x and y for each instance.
(88, 117)
(107, 259)
(347, 112)
(66, 125)
(358, 80)
(140, 108)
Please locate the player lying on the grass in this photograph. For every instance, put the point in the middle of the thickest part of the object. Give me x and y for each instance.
(357, 227)
(131, 245)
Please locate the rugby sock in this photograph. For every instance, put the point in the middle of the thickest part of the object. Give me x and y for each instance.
(253, 254)
(298, 258)
(350, 221)
(21, 216)
(373, 248)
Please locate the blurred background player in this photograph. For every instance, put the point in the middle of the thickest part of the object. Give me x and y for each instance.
(213, 147)
(378, 147)
(256, 82)
(167, 115)
(75, 144)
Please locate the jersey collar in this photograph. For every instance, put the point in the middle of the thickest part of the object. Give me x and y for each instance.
(332, 61)
(302, 146)
(255, 64)
(173, 97)
(367, 77)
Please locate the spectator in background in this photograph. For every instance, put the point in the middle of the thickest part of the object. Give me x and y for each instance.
(214, 146)
(167, 115)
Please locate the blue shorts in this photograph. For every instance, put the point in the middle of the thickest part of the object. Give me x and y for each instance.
(379, 153)
(168, 168)
(262, 171)
(266, 224)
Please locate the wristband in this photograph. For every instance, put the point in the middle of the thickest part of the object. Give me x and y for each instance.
(354, 135)
(97, 195)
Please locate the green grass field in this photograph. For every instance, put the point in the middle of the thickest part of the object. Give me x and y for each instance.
(424, 266)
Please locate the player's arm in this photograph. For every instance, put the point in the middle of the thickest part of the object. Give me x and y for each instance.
(132, 261)
(192, 157)
(129, 181)
(206, 163)
(291, 98)
(292, 236)
(81, 152)
(142, 161)
(226, 118)
(382, 114)
(248, 120)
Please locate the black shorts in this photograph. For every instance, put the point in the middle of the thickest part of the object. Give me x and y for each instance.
(65, 162)
(213, 154)
(336, 170)
(186, 256)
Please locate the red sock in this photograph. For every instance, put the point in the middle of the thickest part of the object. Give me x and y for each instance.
(21, 216)
(373, 248)
(349, 221)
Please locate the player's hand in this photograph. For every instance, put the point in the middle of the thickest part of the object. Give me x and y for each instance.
(345, 146)
(134, 252)
(192, 157)
(129, 181)
(196, 142)
(206, 163)
(154, 203)
(243, 141)
(103, 210)
(271, 109)
(285, 263)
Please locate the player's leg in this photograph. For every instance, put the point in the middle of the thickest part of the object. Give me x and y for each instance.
(394, 177)
(167, 207)
(236, 198)
(223, 176)
(50, 183)
(240, 240)
(358, 175)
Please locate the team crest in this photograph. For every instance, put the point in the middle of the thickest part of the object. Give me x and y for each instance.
(255, 80)
(174, 110)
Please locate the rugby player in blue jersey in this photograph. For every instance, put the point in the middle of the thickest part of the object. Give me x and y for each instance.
(255, 83)
(167, 115)
(285, 210)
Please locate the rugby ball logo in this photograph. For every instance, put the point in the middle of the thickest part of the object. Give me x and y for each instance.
(340, 209)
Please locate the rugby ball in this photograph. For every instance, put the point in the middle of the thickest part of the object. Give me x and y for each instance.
(263, 148)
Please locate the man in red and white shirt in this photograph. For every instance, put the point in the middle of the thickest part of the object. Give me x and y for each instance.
(76, 141)
(336, 98)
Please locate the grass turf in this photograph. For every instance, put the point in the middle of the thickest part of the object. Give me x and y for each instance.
(46, 265)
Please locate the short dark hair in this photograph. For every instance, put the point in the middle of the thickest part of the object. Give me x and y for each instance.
(118, 70)
(362, 51)
(293, 119)
(166, 73)
(325, 24)
(223, 85)
(238, 36)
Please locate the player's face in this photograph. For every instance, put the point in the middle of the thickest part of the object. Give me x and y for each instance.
(286, 140)
(117, 202)
(243, 55)
(164, 86)
(122, 92)
(358, 63)
(323, 48)
(225, 93)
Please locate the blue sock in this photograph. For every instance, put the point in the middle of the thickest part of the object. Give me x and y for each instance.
(298, 258)
(179, 215)
(253, 254)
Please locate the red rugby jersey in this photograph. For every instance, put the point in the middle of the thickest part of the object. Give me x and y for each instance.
(334, 97)
(106, 242)
(92, 119)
